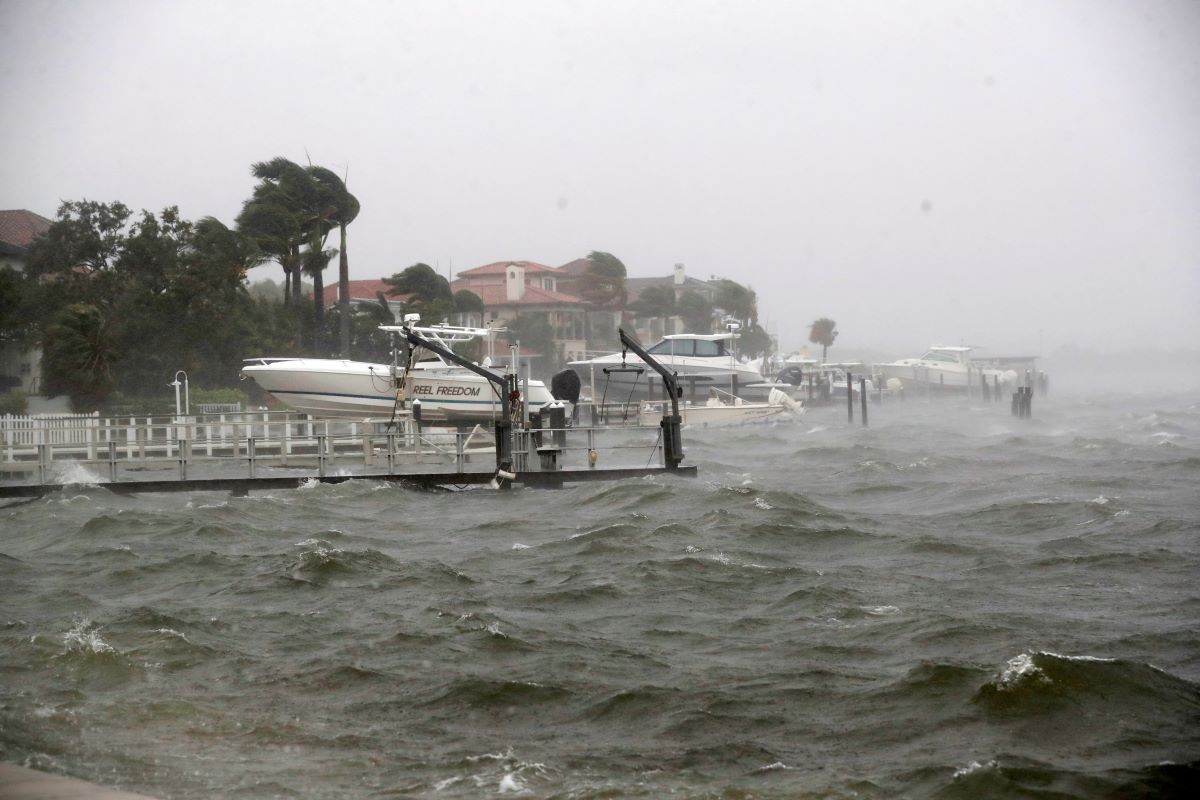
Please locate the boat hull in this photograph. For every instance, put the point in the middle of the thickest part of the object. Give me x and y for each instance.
(936, 378)
(356, 390)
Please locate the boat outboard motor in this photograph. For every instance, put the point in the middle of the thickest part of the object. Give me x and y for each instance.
(565, 386)
(792, 374)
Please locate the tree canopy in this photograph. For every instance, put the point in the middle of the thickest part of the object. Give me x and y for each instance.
(655, 301)
(289, 217)
(120, 302)
(603, 282)
(696, 312)
(736, 301)
(823, 332)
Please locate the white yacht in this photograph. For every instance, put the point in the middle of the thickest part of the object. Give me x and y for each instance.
(942, 367)
(701, 361)
(326, 387)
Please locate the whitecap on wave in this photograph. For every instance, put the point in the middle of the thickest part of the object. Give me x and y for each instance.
(85, 637)
(974, 766)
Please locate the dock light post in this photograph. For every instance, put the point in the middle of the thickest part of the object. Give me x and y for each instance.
(187, 398)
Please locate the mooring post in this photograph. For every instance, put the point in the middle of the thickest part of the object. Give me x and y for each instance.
(250, 454)
(416, 415)
(850, 397)
(112, 461)
(558, 424)
(1029, 403)
(862, 393)
(321, 454)
(43, 461)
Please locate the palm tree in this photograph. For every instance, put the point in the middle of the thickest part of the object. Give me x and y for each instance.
(823, 332)
(344, 210)
(80, 349)
(603, 283)
(274, 217)
(430, 293)
(290, 215)
(315, 259)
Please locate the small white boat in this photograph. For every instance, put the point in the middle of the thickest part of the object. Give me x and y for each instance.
(326, 387)
(942, 367)
(727, 411)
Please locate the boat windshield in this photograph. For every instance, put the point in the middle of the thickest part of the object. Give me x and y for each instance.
(934, 355)
(703, 348)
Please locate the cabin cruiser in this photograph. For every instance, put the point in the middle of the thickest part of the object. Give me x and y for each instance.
(700, 362)
(326, 387)
(942, 367)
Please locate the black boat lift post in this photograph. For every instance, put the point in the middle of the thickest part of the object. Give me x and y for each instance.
(506, 386)
(671, 421)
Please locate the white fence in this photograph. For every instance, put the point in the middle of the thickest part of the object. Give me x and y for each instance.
(23, 431)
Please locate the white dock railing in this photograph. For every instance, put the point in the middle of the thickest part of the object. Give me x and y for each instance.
(48, 449)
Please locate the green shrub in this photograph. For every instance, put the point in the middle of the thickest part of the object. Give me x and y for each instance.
(14, 403)
(219, 396)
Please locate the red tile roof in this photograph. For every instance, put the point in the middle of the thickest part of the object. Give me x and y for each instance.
(498, 268)
(497, 295)
(18, 227)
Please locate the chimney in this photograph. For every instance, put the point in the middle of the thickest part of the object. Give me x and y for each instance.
(679, 276)
(514, 283)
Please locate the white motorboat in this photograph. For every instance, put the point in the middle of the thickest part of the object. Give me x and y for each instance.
(726, 411)
(357, 389)
(942, 367)
(700, 362)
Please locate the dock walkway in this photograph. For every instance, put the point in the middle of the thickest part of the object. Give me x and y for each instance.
(263, 451)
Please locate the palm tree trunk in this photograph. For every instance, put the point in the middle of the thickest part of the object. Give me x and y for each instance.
(344, 297)
(319, 312)
(287, 286)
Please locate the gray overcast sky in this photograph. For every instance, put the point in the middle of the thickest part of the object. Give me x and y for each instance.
(1020, 175)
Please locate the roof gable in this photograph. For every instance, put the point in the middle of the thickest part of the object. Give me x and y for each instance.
(500, 267)
(19, 227)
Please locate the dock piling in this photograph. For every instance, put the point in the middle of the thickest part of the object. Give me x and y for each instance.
(850, 397)
(862, 393)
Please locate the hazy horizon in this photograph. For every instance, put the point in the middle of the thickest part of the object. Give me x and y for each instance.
(1022, 176)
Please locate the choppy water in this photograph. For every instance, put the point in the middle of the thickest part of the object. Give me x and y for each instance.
(951, 604)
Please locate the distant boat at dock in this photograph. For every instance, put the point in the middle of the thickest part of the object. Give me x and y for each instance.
(943, 367)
